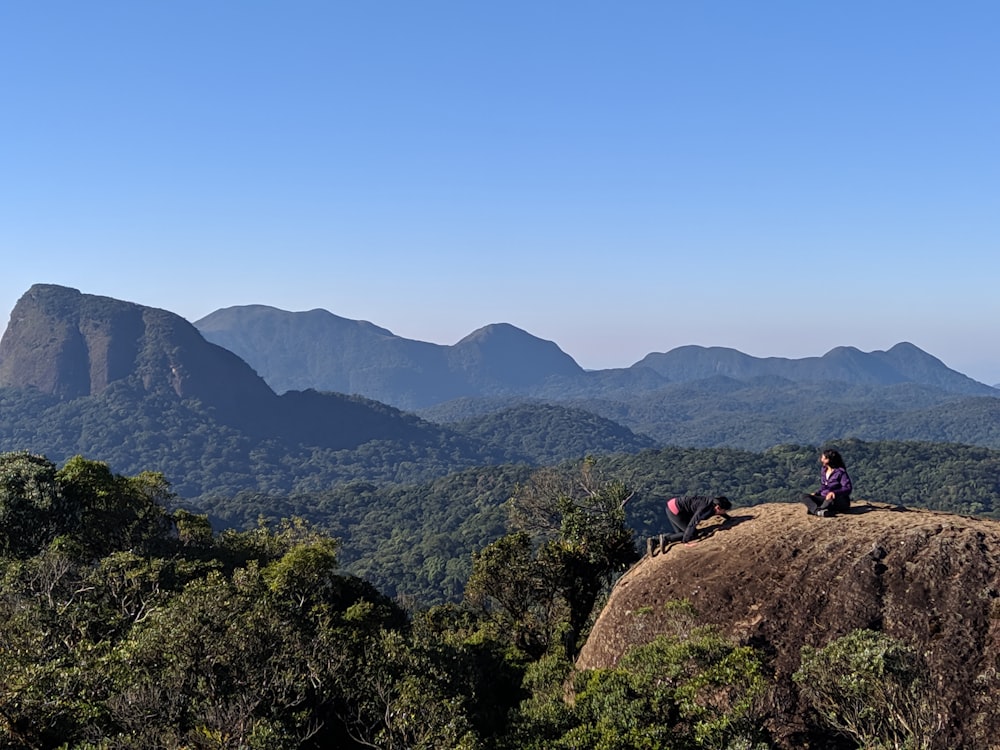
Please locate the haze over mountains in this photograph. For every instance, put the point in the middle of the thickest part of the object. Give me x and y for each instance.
(70, 345)
(320, 350)
(692, 395)
(143, 389)
(317, 349)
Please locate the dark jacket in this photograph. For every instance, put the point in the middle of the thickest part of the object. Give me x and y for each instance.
(692, 510)
(839, 483)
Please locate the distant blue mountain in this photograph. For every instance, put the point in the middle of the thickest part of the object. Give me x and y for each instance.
(316, 349)
(145, 389)
(142, 389)
(319, 350)
(903, 363)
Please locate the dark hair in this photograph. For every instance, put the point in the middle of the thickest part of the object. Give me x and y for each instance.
(723, 502)
(835, 459)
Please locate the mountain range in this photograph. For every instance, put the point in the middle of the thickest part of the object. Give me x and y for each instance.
(317, 349)
(69, 345)
(210, 403)
(412, 493)
(692, 395)
(141, 389)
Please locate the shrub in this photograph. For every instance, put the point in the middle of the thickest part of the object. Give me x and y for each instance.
(873, 688)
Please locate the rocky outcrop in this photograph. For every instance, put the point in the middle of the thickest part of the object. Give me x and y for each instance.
(75, 346)
(68, 344)
(778, 579)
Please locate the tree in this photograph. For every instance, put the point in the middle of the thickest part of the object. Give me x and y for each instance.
(116, 512)
(218, 663)
(871, 687)
(33, 507)
(692, 688)
(586, 541)
(50, 666)
(512, 586)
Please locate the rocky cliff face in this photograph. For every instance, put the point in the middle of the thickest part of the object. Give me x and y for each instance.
(778, 579)
(69, 344)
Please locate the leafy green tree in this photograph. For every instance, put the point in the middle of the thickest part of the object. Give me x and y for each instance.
(401, 696)
(517, 593)
(215, 667)
(544, 714)
(33, 507)
(569, 542)
(116, 512)
(474, 666)
(50, 667)
(873, 688)
(702, 688)
(594, 545)
(692, 688)
(305, 575)
(194, 531)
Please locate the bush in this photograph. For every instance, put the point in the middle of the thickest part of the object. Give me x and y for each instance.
(873, 688)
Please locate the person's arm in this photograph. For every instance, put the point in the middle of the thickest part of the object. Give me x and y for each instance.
(704, 512)
(843, 487)
(837, 485)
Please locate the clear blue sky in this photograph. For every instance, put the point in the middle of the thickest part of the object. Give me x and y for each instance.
(618, 177)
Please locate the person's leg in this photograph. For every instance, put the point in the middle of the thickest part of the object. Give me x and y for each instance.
(812, 503)
(839, 505)
(678, 525)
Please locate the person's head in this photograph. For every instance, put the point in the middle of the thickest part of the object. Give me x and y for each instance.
(833, 459)
(722, 504)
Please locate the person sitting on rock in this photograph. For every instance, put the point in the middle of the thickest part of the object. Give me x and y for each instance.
(685, 513)
(834, 495)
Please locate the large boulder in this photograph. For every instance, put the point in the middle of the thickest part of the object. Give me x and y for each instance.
(779, 579)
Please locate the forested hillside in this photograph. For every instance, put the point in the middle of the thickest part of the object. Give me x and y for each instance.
(297, 448)
(205, 456)
(128, 624)
(763, 412)
(416, 539)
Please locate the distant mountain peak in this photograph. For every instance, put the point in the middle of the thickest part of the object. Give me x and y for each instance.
(507, 357)
(222, 319)
(323, 351)
(903, 363)
(496, 331)
(68, 344)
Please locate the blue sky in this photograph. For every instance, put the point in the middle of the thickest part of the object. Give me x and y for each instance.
(618, 177)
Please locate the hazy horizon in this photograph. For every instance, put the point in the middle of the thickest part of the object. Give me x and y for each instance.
(584, 366)
(779, 179)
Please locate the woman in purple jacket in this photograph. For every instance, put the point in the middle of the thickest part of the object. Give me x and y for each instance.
(834, 495)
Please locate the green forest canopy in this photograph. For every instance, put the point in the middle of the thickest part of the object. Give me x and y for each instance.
(130, 623)
(416, 539)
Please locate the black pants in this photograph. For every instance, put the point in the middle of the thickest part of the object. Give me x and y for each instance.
(679, 526)
(815, 502)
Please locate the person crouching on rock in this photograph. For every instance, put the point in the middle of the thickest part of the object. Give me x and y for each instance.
(685, 513)
(834, 495)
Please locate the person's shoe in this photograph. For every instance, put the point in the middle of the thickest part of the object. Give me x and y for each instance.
(821, 513)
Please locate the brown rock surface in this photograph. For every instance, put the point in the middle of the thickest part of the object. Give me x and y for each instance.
(776, 578)
(70, 345)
